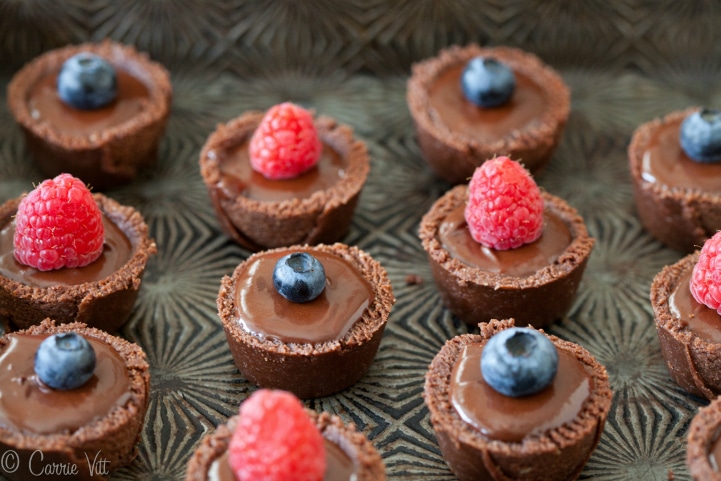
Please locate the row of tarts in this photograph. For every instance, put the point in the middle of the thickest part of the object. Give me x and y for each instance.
(502, 252)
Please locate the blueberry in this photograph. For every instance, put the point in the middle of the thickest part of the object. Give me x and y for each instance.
(299, 277)
(701, 135)
(487, 82)
(519, 361)
(65, 361)
(87, 81)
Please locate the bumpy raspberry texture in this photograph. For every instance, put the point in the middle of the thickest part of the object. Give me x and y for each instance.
(57, 225)
(706, 276)
(275, 440)
(286, 142)
(505, 207)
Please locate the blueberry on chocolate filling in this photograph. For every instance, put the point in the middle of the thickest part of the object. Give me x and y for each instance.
(519, 361)
(701, 135)
(486, 82)
(65, 361)
(87, 81)
(299, 277)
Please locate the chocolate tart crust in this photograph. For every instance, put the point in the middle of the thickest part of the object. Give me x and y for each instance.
(305, 369)
(559, 454)
(368, 463)
(112, 156)
(693, 363)
(702, 433)
(105, 304)
(475, 295)
(454, 156)
(323, 218)
(681, 218)
(115, 435)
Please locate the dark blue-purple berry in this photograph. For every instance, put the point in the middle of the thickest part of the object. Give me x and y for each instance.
(701, 135)
(299, 277)
(87, 81)
(487, 82)
(65, 361)
(519, 361)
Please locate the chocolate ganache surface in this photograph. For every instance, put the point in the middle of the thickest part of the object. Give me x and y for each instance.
(522, 261)
(339, 466)
(511, 419)
(665, 162)
(117, 251)
(239, 178)
(527, 104)
(29, 405)
(45, 104)
(263, 312)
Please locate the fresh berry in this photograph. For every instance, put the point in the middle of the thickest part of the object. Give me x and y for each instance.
(275, 440)
(519, 361)
(87, 81)
(58, 224)
(65, 361)
(701, 135)
(505, 207)
(286, 142)
(706, 276)
(299, 277)
(487, 82)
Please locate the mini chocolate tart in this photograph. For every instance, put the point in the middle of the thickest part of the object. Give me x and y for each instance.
(107, 146)
(535, 283)
(689, 332)
(82, 433)
(456, 136)
(677, 198)
(484, 435)
(703, 450)
(311, 349)
(348, 453)
(314, 208)
(101, 294)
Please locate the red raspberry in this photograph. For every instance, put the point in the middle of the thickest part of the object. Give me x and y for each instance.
(58, 224)
(706, 276)
(286, 142)
(275, 440)
(505, 207)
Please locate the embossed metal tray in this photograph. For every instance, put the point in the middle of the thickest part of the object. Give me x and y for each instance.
(626, 62)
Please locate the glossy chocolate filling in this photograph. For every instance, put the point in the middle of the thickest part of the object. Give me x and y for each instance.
(511, 419)
(339, 466)
(522, 261)
(527, 104)
(714, 452)
(26, 404)
(238, 177)
(664, 162)
(45, 104)
(117, 251)
(703, 321)
(268, 315)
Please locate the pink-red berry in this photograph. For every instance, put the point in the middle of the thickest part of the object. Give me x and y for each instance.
(505, 206)
(58, 224)
(286, 142)
(275, 440)
(706, 276)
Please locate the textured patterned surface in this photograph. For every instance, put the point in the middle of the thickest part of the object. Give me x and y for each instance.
(626, 62)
